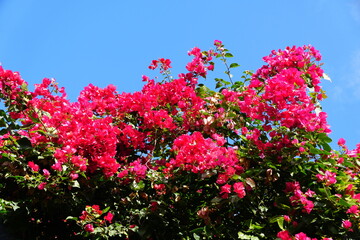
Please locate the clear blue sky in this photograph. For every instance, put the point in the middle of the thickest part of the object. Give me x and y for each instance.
(106, 42)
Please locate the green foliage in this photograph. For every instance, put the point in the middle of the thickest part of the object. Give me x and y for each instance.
(285, 176)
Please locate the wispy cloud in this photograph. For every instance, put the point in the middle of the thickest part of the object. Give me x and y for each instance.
(354, 82)
(355, 10)
(346, 87)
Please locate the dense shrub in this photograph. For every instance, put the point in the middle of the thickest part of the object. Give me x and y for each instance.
(249, 159)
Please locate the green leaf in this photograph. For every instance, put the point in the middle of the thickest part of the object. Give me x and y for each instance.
(255, 226)
(71, 218)
(324, 138)
(197, 230)
(137, 186)
(219, 84)
(226, 82)
(326, 147)
(283, 206)
(196, 237)
(234, 65)
(315, 150)
(106, 210)
(280, 222)
(228, 55)
(344, 203)
(245, 236)
(24, 143)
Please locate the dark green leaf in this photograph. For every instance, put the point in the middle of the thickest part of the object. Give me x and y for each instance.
(24, 143)
(234, 65)
(219, 84)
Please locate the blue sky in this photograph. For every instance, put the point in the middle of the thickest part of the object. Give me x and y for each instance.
(113, 41)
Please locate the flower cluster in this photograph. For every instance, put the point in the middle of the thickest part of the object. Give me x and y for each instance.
(92, 218)
(298, 197)
(251, 158)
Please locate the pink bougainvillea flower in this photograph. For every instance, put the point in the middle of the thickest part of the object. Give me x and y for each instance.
(97, 209)
(89, 228)
(287, 218)
(109, 217)
(74, 176)
(284, 235)
(341, 142)
(354, 209)
(291, 187)
(239, 189)
(46, 173)
(41, 186)
(217, 43)
(225, 189)
(329, 177)
(57, 166)
(346, 224)
(33, 166)
(160, 188)
(154, 206)
(84, 215)
(357, 196)
(301, 236)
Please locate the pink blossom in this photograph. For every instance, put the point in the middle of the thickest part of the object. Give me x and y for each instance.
(74, 176)
(160, 188)
(198, 154)
(41, 186)
(354, 209)
(97, 209)
(239, 189)
(357, 196)
(33, 166)
(308, 205)
(291, 187)
(138, 169)
(284, 235)
(123, 173)
(84, 215)
(220, 140)
(57, 166)
(301, 236)
(328, 177)
(222, 178)
(109, 216)
(217, 43)
(310, 193)
(154, 206)
(340, 160)
(341, 142)
(287, 218)
(89, 228)
(346, 224)
(153, 65)
(225, 189)
(46, 173)
(349, 190)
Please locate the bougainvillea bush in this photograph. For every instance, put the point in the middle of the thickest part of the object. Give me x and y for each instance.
(246, 159)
